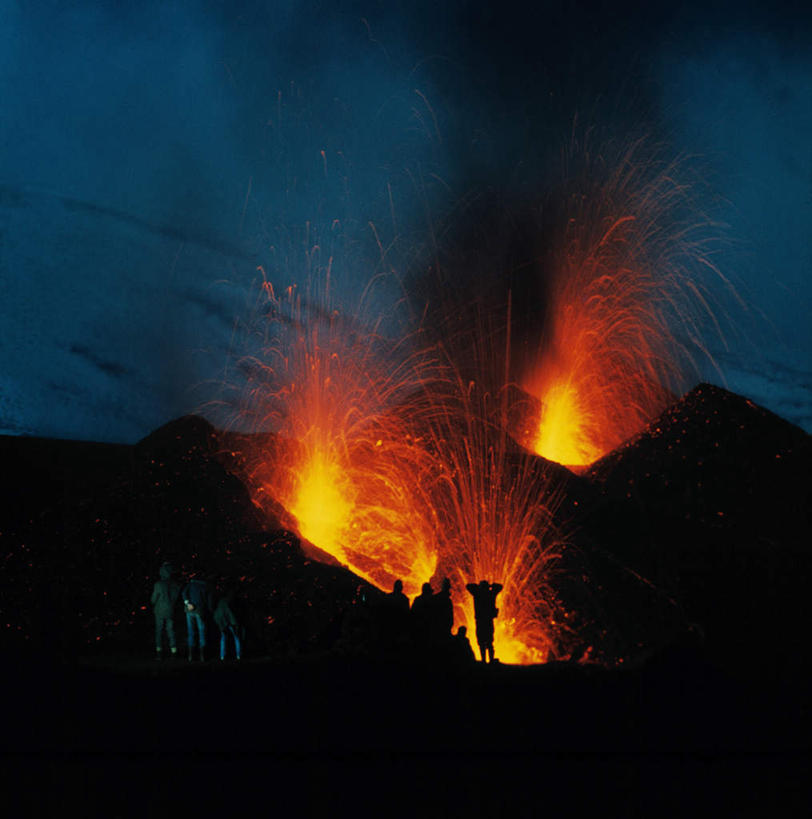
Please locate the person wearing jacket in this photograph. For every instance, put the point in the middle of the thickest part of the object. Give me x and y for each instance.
(164, 599)
(228, 624)
(197, 603)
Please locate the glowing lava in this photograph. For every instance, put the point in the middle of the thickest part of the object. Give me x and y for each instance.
(563, 433)
(494, 506)
(322, 504)
(626, 296)
(343, 466)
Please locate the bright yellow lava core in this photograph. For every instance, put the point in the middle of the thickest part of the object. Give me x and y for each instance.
(322, 506)
(563, 428)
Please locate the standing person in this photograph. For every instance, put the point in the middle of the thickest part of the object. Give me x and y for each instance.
(397, 599)
(485, 611)
(421, 613)
(197, 603)
(393, 620)
(443, 619)
(164, 598)
(227, 622)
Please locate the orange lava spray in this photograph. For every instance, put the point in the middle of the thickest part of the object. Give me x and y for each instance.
(626, 307)
(342, 465)
(494, 503)
(495, 508)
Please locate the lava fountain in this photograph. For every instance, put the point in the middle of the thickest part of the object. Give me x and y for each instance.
(341, 464)
(623, 327)
(494, 506)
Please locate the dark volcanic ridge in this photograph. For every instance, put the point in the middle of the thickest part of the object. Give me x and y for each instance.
(694, 533)
(710, 504)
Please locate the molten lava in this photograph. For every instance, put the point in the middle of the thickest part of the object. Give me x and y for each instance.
(322, 503)
(564, 433)
(494, 507)
(346, 467)
(625, 300)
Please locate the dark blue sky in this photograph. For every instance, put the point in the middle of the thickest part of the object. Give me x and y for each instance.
(152, 157)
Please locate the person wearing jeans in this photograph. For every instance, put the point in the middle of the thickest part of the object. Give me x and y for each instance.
(197, 603)
(227, 622)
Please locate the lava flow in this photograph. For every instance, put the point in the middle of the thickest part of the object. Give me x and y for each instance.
(625, 300)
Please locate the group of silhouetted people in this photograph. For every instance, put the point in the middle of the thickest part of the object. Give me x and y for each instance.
(424, 629)
(199, 607)
(432, 618)
(390, 625)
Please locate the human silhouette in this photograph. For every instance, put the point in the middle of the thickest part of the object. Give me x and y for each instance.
(442, 613)
(421, 616)
(164, 599)
(397, 599)
(393, 620)
(461, 651)
(197, 603)
(226, 620)
(485, 611)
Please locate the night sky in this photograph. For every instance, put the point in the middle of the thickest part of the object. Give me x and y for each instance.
(154, 155)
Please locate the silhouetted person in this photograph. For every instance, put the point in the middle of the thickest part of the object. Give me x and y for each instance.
(393, 620)
(226, 620)
(197, 603)
(164, 599)
(485, 611)
(442, 613)
(397, 599)
(461, 651)
(421, 614)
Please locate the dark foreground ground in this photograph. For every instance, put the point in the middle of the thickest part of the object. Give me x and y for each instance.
(126, 735)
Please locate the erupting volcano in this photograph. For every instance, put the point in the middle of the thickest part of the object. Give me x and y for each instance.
(624, 303)
(398, 457)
